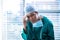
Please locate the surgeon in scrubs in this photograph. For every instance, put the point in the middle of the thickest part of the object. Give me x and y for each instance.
(36, 27)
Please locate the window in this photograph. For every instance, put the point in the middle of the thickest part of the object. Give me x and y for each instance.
(13, 11)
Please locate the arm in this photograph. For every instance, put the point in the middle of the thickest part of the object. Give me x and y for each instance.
(47, 30)
(24, 33)
(50, 31)
(27, 30)
(24, 23)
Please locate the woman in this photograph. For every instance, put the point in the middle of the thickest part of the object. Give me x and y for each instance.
(36, 27)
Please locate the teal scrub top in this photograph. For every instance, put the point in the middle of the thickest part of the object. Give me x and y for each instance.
(44, 33)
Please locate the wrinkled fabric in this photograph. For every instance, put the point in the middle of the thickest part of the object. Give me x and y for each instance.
(39, 33)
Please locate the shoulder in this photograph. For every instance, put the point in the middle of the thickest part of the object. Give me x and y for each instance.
(44, 18)
(40, 17)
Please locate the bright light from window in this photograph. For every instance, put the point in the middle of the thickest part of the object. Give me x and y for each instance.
(11, 5)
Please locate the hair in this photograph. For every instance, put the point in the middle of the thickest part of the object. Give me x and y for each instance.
(36, 12)
(32, 13)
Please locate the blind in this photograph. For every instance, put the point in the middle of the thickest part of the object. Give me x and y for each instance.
(14, 11)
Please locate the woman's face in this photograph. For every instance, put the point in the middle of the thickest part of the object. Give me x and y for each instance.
(32, 16)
